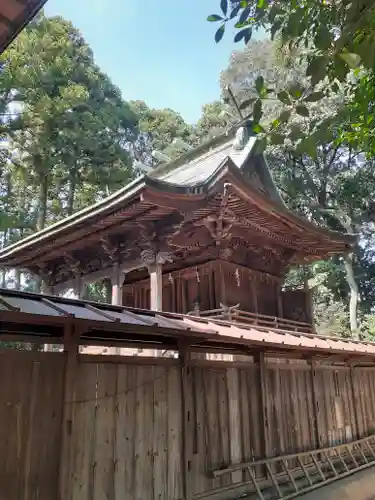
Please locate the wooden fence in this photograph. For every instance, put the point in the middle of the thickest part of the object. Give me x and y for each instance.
(147, 429)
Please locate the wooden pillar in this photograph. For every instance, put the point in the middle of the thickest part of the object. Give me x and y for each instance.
(79, 287)
(71, 361)
(117, 281)
(309, 304)
(280, 311)
(156, 286)
(187, 420)
(254, 297)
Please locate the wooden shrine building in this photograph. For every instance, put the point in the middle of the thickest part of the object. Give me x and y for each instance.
(204, 231)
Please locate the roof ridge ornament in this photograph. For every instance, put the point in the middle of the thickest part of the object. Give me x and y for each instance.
(241, 138)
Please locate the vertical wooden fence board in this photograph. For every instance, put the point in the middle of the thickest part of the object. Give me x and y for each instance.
(49, 416)
(212, 422)
(200, 450)
(223, 422)
(160, 444)
(125, 432)
(83, 432)
(103, 456)
(30, 420)
(148, 418)
(234, 421)
(174, 434)
(140, 434)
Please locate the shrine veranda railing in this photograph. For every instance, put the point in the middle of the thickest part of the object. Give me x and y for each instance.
(236, 315)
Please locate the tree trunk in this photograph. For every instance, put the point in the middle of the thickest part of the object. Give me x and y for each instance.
(71, 192)
(354, 295)
(42, 217)
(43, 199)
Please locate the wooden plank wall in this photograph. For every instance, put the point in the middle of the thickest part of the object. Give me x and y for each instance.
(31, 386)
(127, 430)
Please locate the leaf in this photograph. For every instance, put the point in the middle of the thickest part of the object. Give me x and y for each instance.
(235, 12)
(295, 132)
(314, 97)
(220, 33)
(284, 116)
(224, 6)
(259, 84)
(248, 35)
(317, 69)
(302, 110)
(213, 18)
(323, 38)
(307, 146)
(352, 60)
(275, 28)
(284, 97)
(247, 103)
(277, 138)
(341, 68)
(244, 15)
(243, 34)
(296, 90)
(257, 110)
(257, 129)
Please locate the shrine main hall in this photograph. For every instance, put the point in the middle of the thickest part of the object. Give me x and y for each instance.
(201, 233)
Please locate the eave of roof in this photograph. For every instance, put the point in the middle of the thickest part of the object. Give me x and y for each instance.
(14, 16)
(189, 193)
(99, 322)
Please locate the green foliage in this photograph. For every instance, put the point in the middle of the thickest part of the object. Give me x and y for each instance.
(334, 44)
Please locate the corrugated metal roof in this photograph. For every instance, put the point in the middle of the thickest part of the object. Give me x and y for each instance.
(209, 332)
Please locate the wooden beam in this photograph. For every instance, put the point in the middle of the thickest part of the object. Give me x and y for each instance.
(99, 275)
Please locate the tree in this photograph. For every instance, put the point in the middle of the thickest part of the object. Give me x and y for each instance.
(73, 124)
(216, 117)
(334, 40)
(159, 129)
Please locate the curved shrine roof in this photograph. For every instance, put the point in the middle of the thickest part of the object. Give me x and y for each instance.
(187, 181)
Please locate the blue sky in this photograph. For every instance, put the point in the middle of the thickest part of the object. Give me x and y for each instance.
(165, 55)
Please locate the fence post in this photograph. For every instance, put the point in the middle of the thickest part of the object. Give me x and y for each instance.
(71, 360)
(187, 419)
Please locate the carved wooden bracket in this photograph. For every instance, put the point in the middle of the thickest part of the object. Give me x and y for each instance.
(110, 248)
(74, 266)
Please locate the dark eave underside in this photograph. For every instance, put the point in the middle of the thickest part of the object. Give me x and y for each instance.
(144, 197)
(14, 16)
